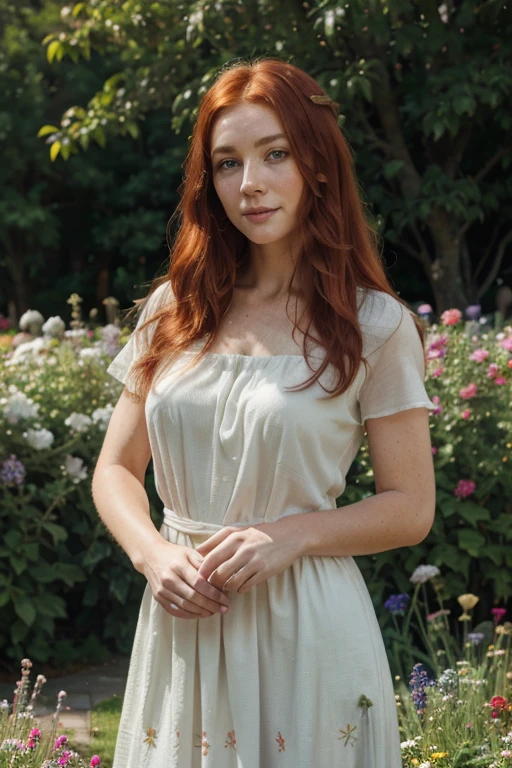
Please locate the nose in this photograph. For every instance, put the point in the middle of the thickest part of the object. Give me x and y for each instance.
(252, 182)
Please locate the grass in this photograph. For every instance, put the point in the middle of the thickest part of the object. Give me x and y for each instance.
(105, 718)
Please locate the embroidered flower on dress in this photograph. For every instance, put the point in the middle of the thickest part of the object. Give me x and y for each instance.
(348, 735)
(151, 733)
(203, 742)
(281, 743)
(230, 740)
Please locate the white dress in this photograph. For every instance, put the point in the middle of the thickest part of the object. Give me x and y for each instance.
(277, 681)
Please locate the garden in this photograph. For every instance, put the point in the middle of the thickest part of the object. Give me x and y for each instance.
(66, 588)
(97, 105)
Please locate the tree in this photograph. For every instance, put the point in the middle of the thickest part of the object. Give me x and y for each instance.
(424, 94)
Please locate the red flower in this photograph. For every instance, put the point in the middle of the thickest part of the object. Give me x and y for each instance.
(498, 702)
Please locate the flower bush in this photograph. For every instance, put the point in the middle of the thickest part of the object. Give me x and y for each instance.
(468, 377)
(60, 573)
(22, 743)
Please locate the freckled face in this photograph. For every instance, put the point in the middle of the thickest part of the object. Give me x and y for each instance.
(255, 168)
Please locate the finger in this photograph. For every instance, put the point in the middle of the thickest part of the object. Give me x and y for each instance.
(174, 594)
(222, 552)
(253, 581)
(188, 592)
(238, 579)
(177, 613)
(214, 540)
(197, 582)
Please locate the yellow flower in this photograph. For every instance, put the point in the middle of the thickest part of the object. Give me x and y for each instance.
(467, 601)
(415, 761)
(438, 755)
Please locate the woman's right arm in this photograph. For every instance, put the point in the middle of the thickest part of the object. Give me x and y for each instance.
(123, 505)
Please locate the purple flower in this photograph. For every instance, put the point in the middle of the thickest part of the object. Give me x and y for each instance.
(12, 472)
(397, 603)
(476, 637)
(424, 309)
(473, 311)
(418, 682)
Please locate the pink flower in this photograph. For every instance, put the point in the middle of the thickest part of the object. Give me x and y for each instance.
(437, 372)
(507, 344)
(424, 309)
(59, 741)
(439, 342)
(492, 371)
(35, 733)
(436, 614)
(466, 414)
(468, 392)
(433, 354)
(498, 614)
(451, 317)
(469, 725)
(479, 355)
(509, 364)
(500, 380)
(64, 758)
(95, 760)
(434, 450)
(464, 489)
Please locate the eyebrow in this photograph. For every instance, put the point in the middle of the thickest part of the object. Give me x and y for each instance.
(259, 143)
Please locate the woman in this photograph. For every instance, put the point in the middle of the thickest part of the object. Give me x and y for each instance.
(257, 643)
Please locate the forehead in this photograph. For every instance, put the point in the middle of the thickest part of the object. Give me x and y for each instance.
(245, 120)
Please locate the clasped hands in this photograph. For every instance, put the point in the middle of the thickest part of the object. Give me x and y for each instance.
(237, 558)
(192, 583)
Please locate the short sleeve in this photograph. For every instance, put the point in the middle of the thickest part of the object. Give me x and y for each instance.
(395, 378)
(121, 366)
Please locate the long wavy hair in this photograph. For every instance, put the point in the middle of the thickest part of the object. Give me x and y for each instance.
(339, 250)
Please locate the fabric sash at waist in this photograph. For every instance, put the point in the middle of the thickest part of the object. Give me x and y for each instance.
(192, 527)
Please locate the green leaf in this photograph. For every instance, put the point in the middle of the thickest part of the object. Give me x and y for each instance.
(471, 542)
(99, 135)
(69, 573)
(46, 129)
(52, 50)
(472, 512)
(31, 550)
(57, 531)
(133, 129)
(44, 573)
(19, 631)
(51, 605)
(24, 607)
(13, 540)
(18, 564)
(76, 10)
(54, 150)
(391, 169)
(366, 90)
(5, 596)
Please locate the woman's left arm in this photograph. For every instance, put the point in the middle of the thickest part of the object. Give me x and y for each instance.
(400, 514)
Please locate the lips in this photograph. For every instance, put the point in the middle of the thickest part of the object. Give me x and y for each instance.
(261, 216)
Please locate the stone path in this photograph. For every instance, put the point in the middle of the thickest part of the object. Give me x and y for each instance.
(84, 690)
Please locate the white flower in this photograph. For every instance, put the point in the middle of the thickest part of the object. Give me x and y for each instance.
(54, 327)
(428, 764)
(32, 348)
(424, 573)
(77, 333)
(19, 406)
(78, 421)
(75, 468)
(409, 743)
(39, 439)
(89, 353)
(101, 416)
(31, 321)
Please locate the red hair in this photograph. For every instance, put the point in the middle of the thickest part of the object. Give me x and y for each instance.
(339, 249)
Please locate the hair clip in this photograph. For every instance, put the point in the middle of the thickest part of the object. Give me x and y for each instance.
(321, 99)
